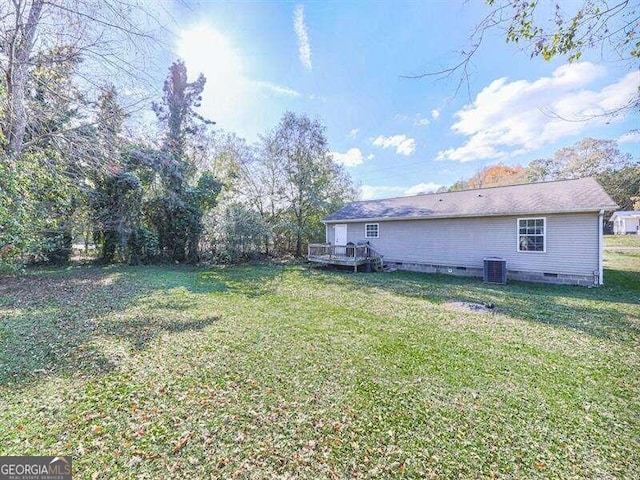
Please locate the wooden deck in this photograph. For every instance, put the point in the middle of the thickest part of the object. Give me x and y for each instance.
(350, 255)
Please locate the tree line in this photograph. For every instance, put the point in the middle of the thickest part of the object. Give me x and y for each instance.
(617, 172)
(73, 170)
(191, 193)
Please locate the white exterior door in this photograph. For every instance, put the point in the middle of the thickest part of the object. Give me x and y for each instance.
(340, 238)
(340, 234)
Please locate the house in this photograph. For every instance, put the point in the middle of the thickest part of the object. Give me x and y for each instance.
(626, 222)
(546, 232)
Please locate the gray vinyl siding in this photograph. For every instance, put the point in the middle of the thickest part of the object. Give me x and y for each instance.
(571, 242)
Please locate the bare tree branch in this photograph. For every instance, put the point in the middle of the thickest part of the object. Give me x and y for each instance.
(594, 24)
(112, 37)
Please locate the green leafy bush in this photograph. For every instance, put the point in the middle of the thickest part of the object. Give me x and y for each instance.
(55, 246)
(142, 246)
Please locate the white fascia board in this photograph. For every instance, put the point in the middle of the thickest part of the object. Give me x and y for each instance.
(594, 210)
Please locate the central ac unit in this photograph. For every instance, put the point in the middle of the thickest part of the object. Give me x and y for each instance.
(495, 270)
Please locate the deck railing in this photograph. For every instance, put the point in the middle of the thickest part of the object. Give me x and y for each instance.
(341, 251)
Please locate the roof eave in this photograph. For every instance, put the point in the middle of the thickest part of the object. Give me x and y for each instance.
(470, 215)
(636, 215)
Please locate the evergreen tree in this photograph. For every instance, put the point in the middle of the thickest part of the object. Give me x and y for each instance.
(177, 212)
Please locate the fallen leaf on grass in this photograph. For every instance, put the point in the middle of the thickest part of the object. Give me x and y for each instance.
(146, 456)
(182, 442)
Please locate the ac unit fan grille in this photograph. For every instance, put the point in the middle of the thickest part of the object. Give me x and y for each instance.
(495, 270)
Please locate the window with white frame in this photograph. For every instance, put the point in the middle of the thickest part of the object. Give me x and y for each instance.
(371, 230)
(532, 235)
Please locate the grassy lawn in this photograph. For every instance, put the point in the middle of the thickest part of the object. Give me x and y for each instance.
(622, 241)
(281, 370)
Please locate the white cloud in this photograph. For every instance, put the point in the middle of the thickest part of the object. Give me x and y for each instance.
(354, 133)
(370, 192)
(404, 145)
(277, 89)
(510, 118)
(304, 46)
(352, 158)
(422, 188)
(435, 113)
(629, 137)
(421, 122)
(371, 156)
(478, 147)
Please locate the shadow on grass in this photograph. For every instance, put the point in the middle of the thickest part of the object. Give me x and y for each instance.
(140, 332)
(611, 311)
(50, 321)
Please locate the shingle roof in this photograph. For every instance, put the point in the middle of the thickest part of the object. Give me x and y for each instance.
(581, 195)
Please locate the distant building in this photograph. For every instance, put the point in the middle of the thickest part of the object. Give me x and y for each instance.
(626, 222)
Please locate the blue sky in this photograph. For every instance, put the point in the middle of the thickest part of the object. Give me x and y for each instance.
(343, 63)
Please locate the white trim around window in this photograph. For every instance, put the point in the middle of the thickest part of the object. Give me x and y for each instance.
(531, 235)
(371, 230)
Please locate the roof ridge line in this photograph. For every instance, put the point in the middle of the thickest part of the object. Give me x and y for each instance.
(474, 189)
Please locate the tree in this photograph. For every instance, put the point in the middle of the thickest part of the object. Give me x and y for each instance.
(589, 157)
(116, 198)
(116, 206)
(496, 175)
(16, 227)
(239, 232)
(52, 56)
(109, 35)
(617, 172)
(309, 184)
(53, 101)
(251, 178)
(176, 113)
(594, 24)
(17, 45)
(491, 176)
(37, 193)
(109, 126)
(51, 167)
(554, 29)
(623, 185)
(177, 211)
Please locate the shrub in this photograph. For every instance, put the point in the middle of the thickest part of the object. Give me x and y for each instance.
(142, 246)
(56, 246)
